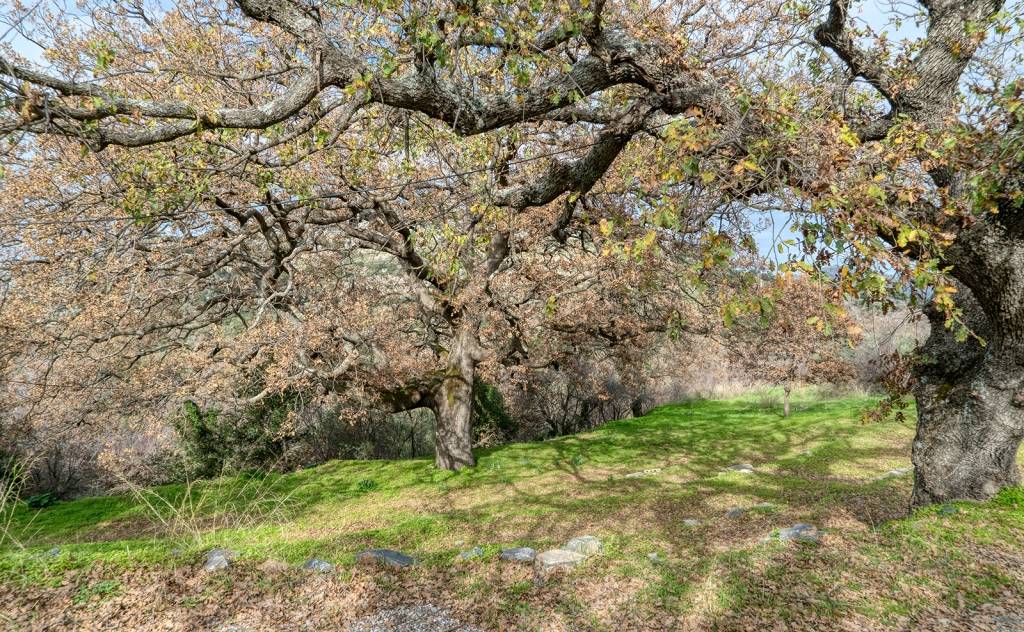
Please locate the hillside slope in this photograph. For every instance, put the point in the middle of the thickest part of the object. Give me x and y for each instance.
(636, 484)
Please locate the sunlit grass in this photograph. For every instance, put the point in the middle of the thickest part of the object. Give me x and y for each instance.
(821, 465)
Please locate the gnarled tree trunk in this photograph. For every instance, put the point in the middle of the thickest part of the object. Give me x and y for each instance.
(970, 401)
(453, 404)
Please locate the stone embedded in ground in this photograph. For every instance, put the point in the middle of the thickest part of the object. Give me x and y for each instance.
(557, 558)
(419, 618)
(54, 552)
(735, 512)
(273, 567)
(1008, 622)
(947, 510)
(898, 472)
(387, 557)
(691, 522)
(653, 557)
(800, 532)
(585, 544)
(218, 559)
(742, 468)
(472, 553)
(318, 565)
(519, 554)
(650, 472)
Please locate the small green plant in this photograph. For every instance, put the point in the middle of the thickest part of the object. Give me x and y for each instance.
(576, 460)
(366, 485)
(252, 474)
(42, 501)
(101, 590)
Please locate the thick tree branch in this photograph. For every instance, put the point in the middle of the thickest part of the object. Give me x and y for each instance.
(833, 34)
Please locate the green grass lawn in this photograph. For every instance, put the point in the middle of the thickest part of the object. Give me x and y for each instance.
(820, 466)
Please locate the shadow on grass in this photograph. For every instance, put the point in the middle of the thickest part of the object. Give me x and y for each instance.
(540, 494)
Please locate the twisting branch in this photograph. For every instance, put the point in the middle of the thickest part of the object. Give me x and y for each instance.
(833, 33)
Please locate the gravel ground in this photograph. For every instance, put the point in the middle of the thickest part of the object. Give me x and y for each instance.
(423, 618)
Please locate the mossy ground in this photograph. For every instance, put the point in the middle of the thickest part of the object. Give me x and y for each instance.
(821, 465)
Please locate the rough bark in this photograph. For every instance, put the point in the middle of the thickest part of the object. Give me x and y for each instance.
(970, 396)
(453, 405)
(970, 415)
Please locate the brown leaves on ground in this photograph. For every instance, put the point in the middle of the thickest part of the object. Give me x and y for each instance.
(794, 588)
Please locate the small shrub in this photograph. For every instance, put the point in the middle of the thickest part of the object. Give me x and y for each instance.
(366, 485)
(42, 501)
(492, 423)
(215, 443)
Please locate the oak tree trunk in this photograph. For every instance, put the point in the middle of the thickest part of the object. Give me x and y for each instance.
(970, 414)
(453, 406)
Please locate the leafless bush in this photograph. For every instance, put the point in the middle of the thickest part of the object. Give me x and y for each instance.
(899, 330)
(66, 470)
(768, 399)
(570, 399)
(326, 434)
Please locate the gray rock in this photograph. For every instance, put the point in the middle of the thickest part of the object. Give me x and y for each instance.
(654, 557)
(948, 510)
(387, 557)
(691, 522)
(54, 552)
(218, 560)
(800, 532)
(735, 512)
(519, 554)
(897, 473)
(557, 558)
(1008, 622)
(742, 468)
(318, 565)
(585, 544)
(273, 567)
(472, 553)
(649, 472)
(419, 618)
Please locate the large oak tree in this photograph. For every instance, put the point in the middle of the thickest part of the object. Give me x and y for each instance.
(268, 118)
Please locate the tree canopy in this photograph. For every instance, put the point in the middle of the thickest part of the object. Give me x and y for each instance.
(387, 199)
